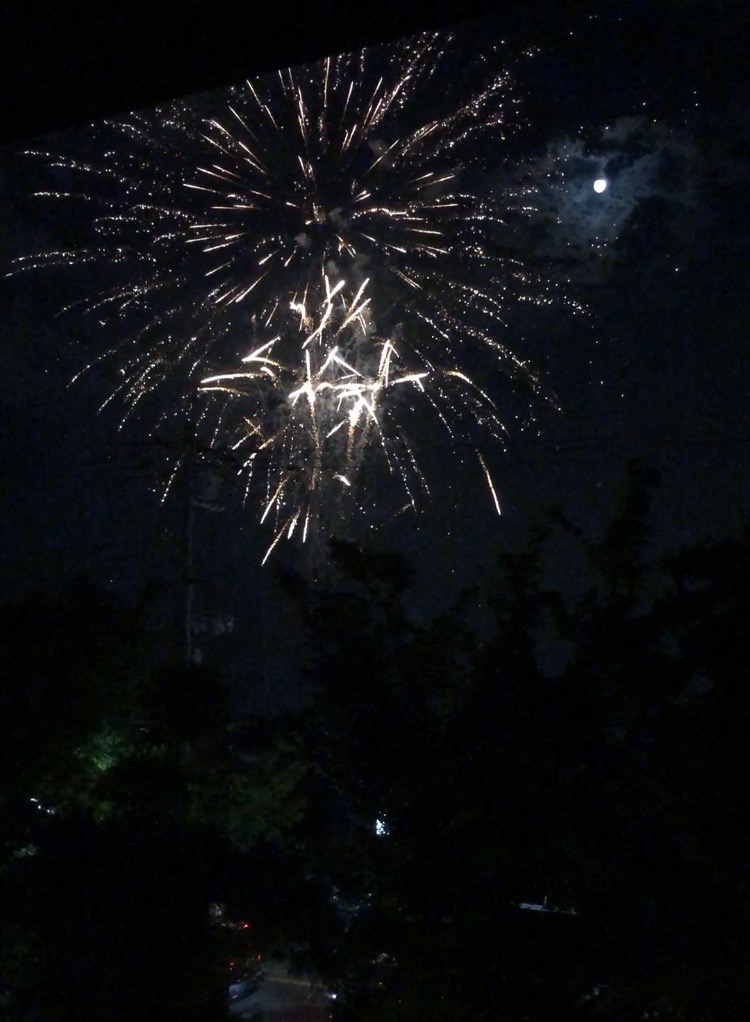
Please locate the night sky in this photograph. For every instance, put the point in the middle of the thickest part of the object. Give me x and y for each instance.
(657, 369)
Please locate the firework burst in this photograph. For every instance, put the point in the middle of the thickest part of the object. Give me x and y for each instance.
(300, 263)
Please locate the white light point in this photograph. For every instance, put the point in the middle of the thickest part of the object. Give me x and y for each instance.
(600, 185)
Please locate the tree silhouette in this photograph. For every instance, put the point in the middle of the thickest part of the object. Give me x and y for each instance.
(584, 758)
(123, 794)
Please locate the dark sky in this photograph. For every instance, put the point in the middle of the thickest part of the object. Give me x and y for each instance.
(657, 370)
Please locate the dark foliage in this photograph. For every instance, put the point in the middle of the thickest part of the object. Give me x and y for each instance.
(108, 848)
(588, 752)
(580, 751)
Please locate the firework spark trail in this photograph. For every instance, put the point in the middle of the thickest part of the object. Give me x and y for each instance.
(327, 226)
(338, 404)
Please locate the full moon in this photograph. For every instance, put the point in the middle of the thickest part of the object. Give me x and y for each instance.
(600, 184)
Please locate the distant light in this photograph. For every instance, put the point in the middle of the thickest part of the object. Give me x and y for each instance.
(545, 907)
(43, 808)
(600, 184)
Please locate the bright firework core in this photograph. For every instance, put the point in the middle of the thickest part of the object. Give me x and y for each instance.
(332, 396)
(303, 262)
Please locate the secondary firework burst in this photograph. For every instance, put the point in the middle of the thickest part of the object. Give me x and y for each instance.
(301, 261)
(335, 407)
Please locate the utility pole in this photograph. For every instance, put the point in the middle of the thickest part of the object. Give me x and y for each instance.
(189, 538)
(189, 568)
(201, 494)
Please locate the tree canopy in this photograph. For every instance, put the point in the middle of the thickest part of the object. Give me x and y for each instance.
(581, 755)
(523, 808)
